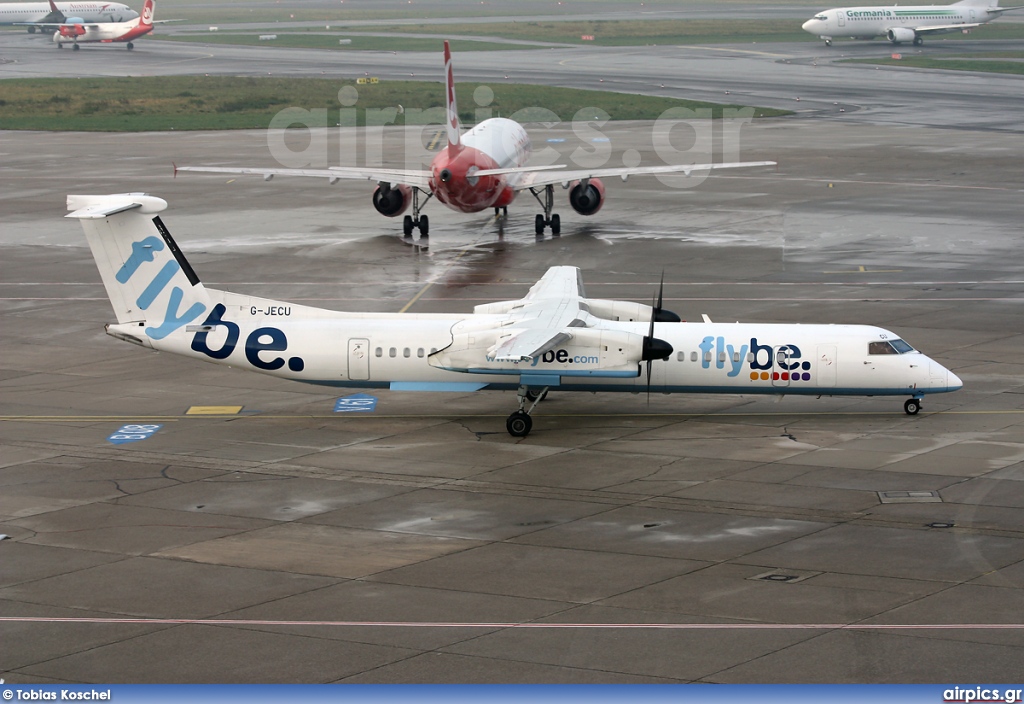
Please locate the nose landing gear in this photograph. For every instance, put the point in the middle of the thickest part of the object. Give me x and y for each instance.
(912, 406)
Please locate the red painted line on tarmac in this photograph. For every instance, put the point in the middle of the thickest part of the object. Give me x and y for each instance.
(457, 624)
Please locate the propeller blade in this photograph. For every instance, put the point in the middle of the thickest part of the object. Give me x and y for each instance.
(660, 314)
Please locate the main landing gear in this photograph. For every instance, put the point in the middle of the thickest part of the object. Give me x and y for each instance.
(547, 219)
(130, 46)
(417, 221)
(520, 423)
(912, 406)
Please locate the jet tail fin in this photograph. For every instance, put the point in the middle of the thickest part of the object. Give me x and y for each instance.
(148, 12)
(151, 286)
(452, 124)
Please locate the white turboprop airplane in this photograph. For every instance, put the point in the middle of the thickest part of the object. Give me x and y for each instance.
(906, 23)
(483, 168)
(553, 339)
(74, 32)
(48, 15)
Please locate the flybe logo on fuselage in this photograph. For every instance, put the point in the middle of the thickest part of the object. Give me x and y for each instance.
(764, 362)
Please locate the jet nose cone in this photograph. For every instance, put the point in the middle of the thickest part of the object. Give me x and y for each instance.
(808, 26)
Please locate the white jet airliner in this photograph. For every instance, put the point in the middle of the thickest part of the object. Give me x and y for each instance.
(483, 168)
(553, 339)
(903, 23)
(48, 15)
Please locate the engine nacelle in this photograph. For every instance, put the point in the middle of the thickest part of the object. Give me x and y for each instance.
(901, 34)
(586, 199)
(391, 202)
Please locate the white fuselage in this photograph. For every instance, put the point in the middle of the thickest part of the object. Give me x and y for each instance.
(874, 21)
(410, 351)
(17, 12)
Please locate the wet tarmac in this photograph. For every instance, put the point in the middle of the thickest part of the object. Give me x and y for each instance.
(708, 538)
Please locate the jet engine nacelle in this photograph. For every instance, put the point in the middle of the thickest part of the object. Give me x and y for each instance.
(586, 199)
(391, 202)
(901, 34)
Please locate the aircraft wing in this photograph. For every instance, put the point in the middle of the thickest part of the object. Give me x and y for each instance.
(538, 323)
(408, 177)
(941, 28)
(533, 179)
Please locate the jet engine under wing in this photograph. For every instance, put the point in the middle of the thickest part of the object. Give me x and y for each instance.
(408, 177)
(533, 179)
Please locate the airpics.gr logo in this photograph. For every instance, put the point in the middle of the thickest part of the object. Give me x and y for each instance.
(765, 362)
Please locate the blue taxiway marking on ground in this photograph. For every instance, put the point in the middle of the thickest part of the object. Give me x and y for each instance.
(556, 140)
(600, 139)
(133, 432)
(356, 403)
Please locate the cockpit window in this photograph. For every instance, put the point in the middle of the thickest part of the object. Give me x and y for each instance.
(889, 347)
(821, 17)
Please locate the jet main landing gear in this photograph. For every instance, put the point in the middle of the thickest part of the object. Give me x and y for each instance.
(547, 219)
(417, 221)
(520, 423)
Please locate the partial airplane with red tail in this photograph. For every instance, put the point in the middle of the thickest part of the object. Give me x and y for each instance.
(76, 31)
(479, 169)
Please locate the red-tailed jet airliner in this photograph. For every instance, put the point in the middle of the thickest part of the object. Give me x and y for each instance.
(483, 168)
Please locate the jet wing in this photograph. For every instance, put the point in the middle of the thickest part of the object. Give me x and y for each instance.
(533, 179)
(408, 177)
(942, 28)
(538, 323)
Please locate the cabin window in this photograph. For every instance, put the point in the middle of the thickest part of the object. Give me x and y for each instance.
(693, 356)
(750, 356)
(735, 356)
(419, 352)
(433, 350)
(392, 352)
(379, 352)
(406, 352)
(721, 356)
(707, 356)
(881, 347)
(681, 356)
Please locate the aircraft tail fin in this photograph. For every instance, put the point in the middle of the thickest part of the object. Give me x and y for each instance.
(148, 12)
(452, 115)
(152, 287)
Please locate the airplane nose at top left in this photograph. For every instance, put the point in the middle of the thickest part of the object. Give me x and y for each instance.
(810, 25)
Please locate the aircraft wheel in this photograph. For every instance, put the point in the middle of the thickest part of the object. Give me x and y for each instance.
(59, 45)
(912, 406)
(828, 42)
(918, 41)
(532, 396)
(76, 47)
(539, 224)
(424, 226)
(519, 424)
(130, 46)
(556, 224)
(407, 225)
(31, 30)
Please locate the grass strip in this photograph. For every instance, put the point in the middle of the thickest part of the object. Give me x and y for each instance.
(158, 103)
